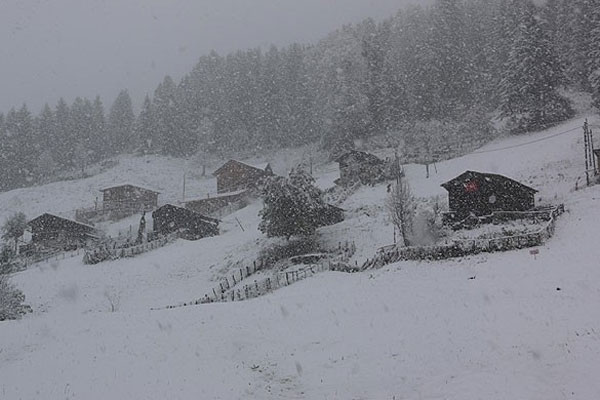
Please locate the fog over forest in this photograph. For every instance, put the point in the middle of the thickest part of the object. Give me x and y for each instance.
(465, 64)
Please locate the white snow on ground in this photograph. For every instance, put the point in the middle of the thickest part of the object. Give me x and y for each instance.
(492, 326)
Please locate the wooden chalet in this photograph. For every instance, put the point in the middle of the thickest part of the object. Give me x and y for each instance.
(215, 204)
(235, 175)
(52, 231)
(192, 225)
(479, 194)
(129, 197)
(358, 166)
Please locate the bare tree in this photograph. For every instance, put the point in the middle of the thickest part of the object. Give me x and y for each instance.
(14, 227)
(401, 207)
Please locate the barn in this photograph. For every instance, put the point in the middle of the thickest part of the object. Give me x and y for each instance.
(129, 197)
(52, 231)
(358, 166)
(479, 194)
(192, 225)
(235, 175)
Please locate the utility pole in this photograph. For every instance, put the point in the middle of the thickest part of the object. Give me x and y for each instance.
(586, 151)
(183, 196)
(592, 153)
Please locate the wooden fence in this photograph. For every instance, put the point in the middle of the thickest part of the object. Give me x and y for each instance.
(112, 251)
(236, 287)
(463, 247)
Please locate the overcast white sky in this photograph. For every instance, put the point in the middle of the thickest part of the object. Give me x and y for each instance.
(68, 48)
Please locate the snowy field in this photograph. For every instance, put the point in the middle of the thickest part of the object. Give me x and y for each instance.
(492, 326)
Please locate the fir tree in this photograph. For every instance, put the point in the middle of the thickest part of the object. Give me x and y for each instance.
(145, 128)
(532, 77)
(98, 142)
(594, 53)
(120, 124)
(65, 144)
(292, 206)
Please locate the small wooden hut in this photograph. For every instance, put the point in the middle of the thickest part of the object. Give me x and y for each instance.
(479, 194)
(359, 166)
(52, 231)
(192, 225)
(235, 175)
(128, 197)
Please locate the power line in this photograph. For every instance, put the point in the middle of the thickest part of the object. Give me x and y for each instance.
(527, 143)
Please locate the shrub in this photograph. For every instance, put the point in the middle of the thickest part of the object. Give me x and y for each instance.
(11, 301)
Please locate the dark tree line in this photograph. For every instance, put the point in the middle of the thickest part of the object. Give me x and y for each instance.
(457, 61)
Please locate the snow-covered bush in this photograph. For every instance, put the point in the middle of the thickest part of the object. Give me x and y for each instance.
(428, 227)
(11, 301)
(296, 247)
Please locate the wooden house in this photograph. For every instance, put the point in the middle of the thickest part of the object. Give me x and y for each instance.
(358, 166)
(236, 175)
(218, 204)
(52, 231)
(192, 225)
(479, 194)
(129, 197)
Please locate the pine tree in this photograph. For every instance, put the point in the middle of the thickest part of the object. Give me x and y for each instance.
(99, 140)
(292, 206)
(144, 127)
(594, 53)
(164, 116)
(65, 144)
(448, 65)
(46, 133)
(121, 120)
(24, 148)
(532, 77)
(82, 124)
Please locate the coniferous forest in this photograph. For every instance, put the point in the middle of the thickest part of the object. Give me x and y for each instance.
(459, 63)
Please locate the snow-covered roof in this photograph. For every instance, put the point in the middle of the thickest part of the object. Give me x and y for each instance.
(262, 167)
(487, 176)
(117, 185)
(184, 210)
(360, 156)
(218, 196)
(60, 217)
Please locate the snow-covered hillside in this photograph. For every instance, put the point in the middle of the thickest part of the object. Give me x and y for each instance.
(492, 326)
